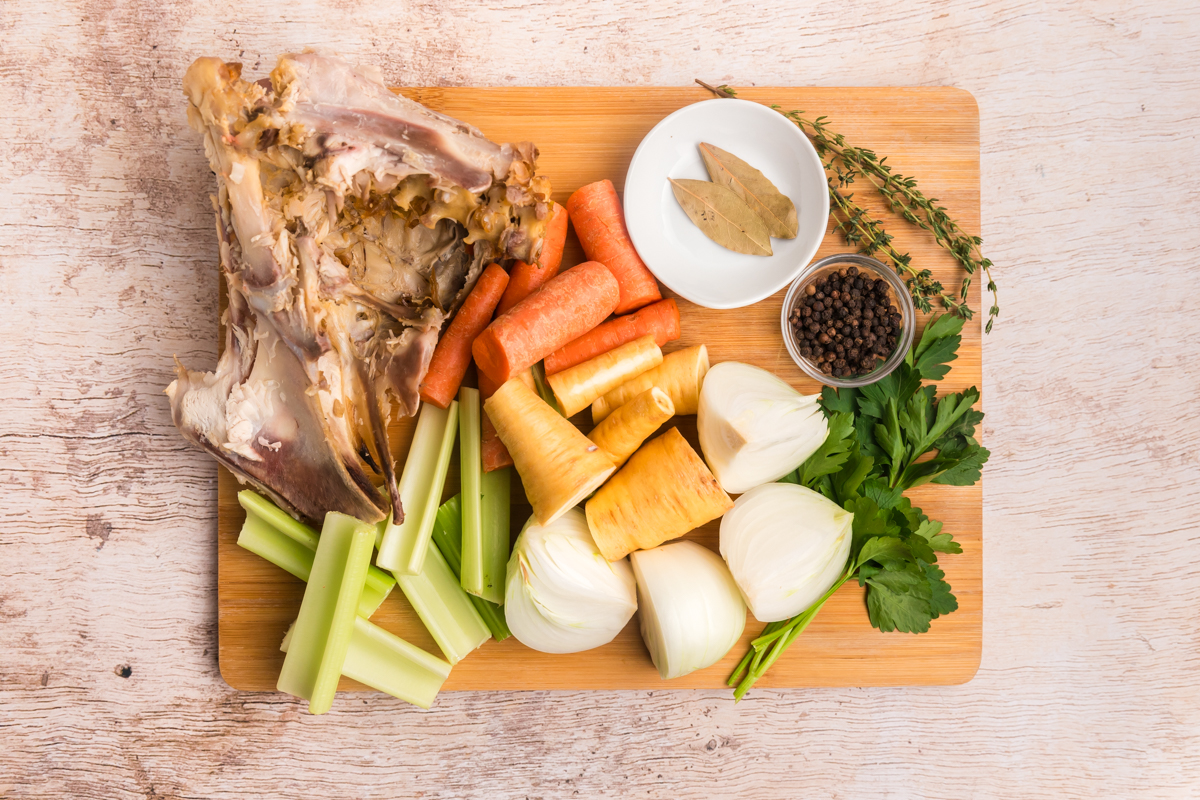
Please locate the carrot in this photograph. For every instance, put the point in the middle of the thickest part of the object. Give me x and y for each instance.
(524, 279)
(660, 320)
(492, 451)
(600, 224)
(562, 310)
(452, 355)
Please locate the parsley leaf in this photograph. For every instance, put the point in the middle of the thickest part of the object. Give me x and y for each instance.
(938, 347)
(883, 495)
(941, 601)
(899, 601)
(834, 400)
(966, 470)
(832, 454)
(931, 531)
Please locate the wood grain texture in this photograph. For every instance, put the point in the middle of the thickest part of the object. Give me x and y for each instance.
(1087, 685)
(585, 135)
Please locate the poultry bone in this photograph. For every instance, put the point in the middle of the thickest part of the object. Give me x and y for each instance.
(351, 223)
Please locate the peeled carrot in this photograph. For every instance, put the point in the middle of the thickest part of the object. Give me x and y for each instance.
(660, 320)
(524, 279)
(562, 310)
(600, 224)
(452, 355)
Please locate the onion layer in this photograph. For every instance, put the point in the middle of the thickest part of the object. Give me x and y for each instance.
(691, 611)
(754, 428)
(785, 546)
(561, 595)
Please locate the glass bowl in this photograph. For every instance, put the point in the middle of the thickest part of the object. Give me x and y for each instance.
(897, 293)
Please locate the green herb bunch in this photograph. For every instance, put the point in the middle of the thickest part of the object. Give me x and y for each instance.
(844, 165)
(878, 436)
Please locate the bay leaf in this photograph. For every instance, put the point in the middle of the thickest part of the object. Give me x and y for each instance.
(723, 216)
(760, 194)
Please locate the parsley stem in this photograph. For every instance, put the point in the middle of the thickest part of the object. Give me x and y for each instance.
(768, 636)
(741, 667)
(776, 638)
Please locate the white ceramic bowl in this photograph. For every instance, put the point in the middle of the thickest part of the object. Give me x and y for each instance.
(684, 259)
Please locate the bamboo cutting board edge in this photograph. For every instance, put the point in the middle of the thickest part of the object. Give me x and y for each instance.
(929, 132)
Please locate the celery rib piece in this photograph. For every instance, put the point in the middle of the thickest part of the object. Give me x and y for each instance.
(473, 569)
(444, 607)
(447, 535)
(270, 533)
(496, 509)
(402, 547)
(317, 651)
(387, 663)
(485, 509)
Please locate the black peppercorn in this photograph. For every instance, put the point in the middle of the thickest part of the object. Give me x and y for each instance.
(845, 321)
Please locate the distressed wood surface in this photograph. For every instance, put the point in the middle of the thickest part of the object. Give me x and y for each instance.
(586, 135)
(109, 686)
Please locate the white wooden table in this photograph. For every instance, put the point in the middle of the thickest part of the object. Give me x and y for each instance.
(1088, 688)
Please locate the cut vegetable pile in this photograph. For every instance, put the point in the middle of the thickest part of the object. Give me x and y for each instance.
(518, 349)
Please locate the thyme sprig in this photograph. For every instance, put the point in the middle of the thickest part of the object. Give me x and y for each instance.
(844, 165)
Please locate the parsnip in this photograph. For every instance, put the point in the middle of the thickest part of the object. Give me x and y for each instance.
(576, 387)
(662, 493)
(680, 375)
(526, 377)
(626, 428)
(558, 465)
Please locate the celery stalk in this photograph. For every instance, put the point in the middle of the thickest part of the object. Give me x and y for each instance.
(485, 509)
(497, 499)
(271, 533)
(403, 547)
(444, 607)
(447, 535)
(324, 626)
(386, 662)
(472, 573)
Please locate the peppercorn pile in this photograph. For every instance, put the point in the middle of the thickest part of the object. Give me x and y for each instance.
(845, 322)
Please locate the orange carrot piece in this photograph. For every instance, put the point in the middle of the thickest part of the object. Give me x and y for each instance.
(492, 451)
(487, 386)
(600, 224)
(561, 311)
(660, 320)
(452, 355)
(524, 279)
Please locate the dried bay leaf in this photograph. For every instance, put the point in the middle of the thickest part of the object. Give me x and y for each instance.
(723, 216)
(775, 208)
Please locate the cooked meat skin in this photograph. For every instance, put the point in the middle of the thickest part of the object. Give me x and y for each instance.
(352, 222)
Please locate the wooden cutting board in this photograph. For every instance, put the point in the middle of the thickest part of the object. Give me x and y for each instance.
(585, 135)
